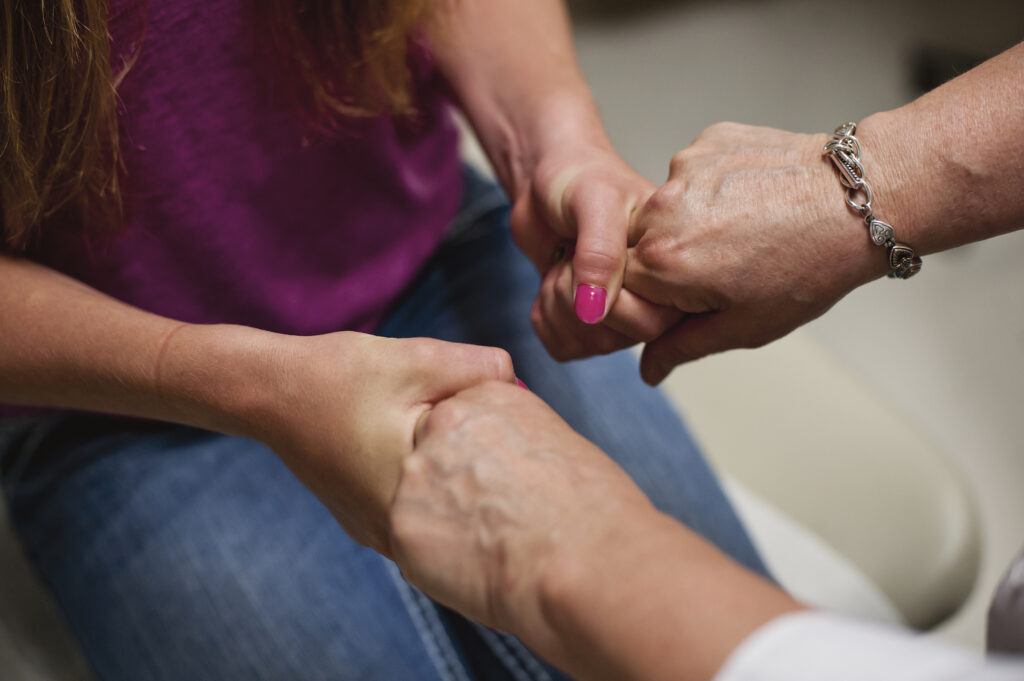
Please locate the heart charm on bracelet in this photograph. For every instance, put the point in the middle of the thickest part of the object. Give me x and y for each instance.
(881, 232)
(903, 261)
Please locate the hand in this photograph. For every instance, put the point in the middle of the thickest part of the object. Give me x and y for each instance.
(506, 515)
(345, 410)
(497, 491)
(749, 239)
(572, 220)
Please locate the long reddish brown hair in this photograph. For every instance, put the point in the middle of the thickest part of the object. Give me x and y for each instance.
(59, 153)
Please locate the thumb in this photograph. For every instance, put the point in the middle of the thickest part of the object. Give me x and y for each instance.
(448, 368)
(602, 217)
(694, 337)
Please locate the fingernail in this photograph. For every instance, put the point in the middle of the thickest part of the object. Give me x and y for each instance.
(522, 385)
(590, 302)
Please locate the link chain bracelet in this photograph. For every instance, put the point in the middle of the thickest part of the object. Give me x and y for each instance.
(844, 150)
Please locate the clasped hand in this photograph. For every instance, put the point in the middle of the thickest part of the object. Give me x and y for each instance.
(747, 240)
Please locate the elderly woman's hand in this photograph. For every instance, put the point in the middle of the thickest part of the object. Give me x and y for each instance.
(498, 491)
(748, 239)
(506, 515)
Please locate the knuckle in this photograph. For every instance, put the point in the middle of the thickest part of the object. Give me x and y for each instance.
(500, 363)
(669, 198)
(599, 258)
(716, 132)
(445, 417)
(423, 350)
(680, 160)
(721, 128)
(659, 253)
(412, 467)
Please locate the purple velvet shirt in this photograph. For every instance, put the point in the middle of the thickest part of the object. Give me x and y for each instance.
(235, 211)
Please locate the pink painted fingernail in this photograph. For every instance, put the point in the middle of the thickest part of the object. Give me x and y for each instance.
(590, 302)
(522, 385)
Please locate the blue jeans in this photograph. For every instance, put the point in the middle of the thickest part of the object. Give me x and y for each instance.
(179, 554)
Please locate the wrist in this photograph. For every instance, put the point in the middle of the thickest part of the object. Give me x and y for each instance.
(550, 125)
(890, 167)
(588, 591)
(655, 601)
(888, 199)
(855, 259)
(219, 377)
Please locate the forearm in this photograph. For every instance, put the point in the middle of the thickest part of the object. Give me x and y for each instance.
(661, 605)
(947, 168)
(65, 345)
(512, 69)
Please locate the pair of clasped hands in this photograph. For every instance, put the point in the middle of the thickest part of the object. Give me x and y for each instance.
(473, 485)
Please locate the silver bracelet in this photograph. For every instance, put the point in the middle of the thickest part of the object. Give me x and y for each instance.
(844, 150)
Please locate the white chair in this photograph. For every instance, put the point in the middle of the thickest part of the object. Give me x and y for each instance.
(853, 508)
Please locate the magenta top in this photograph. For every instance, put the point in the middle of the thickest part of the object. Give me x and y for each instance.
(235, 211)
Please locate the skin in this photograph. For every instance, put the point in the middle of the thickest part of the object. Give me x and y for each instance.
(505, 514)
(508, 516)
(750, 237)
(538, 123)
(340, 409)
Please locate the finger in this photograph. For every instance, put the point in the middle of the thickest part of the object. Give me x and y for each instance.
(602, 217)
(561, 345)
(533, 235)
(564, 342)
(631, 317)
(665, 274)
(447, 368)
(646, 275)
(640, 319)
(695, 337)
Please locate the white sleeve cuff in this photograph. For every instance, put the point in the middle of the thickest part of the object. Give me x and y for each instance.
(812, 646)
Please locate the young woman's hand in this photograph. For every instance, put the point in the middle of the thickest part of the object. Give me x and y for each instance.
(344, 407)
(572, 220)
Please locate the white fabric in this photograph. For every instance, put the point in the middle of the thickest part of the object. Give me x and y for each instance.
(817, 646)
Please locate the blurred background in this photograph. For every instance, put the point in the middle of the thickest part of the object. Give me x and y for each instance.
(893, 427)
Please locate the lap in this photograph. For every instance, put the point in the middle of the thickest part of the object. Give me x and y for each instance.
(180, 554)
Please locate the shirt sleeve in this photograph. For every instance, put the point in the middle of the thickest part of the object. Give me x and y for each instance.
(811, 646)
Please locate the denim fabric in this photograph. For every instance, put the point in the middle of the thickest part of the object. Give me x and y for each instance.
(178, 554)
